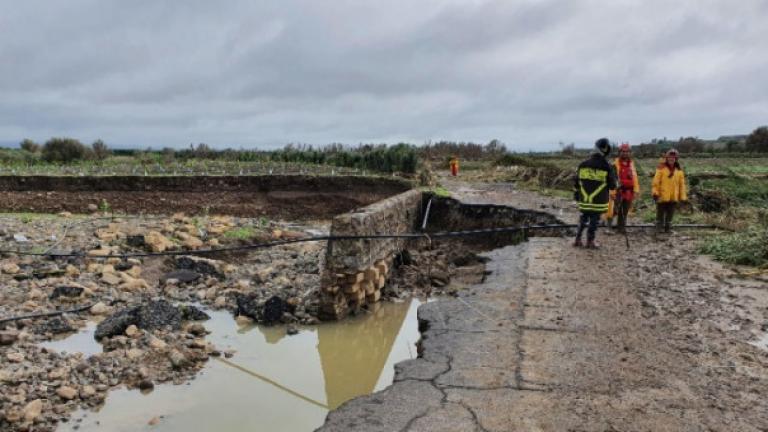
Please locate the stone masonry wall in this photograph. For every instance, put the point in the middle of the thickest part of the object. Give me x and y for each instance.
(356, 270)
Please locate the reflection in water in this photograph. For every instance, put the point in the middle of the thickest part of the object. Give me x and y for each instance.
(353, 354)
(275, 382)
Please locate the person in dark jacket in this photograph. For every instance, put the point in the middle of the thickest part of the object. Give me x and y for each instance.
(595, 179)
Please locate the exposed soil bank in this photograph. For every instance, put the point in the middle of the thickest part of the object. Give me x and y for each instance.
(289, 197)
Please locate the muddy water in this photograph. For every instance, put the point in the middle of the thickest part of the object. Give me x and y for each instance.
(274, 382)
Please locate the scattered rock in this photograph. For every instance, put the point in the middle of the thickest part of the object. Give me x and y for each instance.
(157, 242)
(111, 279)
(134, 353)
(178, 360)
(99, 309)
(146, 385)
(93, 208)
(196, 329)
(66, 291)
(15, 357)
(87, 391)
(10, 268)
(157, 343)
(192, 313)
(66, 392)
(291, 330)
(33, 410)
(8, 337)
(132, 331)
(153, 421)
(20, 238)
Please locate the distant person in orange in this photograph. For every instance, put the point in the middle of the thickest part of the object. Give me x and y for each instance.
(454, 163)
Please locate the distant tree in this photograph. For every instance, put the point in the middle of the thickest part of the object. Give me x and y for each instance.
(100, 150)
(690, 145)
(168, 155)
(30, 146)
(65, 150)
(732, 145)
(757, 141)
(567, 149)
(202, 151)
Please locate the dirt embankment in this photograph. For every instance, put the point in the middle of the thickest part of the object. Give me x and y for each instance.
(288, 197)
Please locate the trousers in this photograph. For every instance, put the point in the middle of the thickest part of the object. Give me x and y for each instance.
(588, 220)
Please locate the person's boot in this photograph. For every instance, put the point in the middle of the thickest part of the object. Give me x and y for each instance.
(577, 243)
(592, 244)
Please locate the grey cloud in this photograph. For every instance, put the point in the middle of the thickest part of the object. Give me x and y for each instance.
(243, 74)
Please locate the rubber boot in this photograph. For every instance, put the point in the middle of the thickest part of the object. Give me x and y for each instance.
(592, 244)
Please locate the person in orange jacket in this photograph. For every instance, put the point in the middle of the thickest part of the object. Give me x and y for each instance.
(454, 163)
(668, 190)
(629, 188)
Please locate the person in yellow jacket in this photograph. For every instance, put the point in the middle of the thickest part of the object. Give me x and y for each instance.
(668, 190)
(629, 188)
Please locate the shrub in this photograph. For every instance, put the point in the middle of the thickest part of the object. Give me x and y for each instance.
(65, 150)
(100, 150)
(758, 140)
(30, 146)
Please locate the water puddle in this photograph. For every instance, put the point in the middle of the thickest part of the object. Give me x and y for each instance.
(274, 382)
(82, 341)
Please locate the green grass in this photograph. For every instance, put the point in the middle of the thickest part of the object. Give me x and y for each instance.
(441, 192)
(241, 233)
(748, 247)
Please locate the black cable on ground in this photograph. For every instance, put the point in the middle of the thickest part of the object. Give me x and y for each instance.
(45, 314)
(444, 234)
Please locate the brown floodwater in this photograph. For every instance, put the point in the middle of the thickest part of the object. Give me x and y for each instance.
(275, 382)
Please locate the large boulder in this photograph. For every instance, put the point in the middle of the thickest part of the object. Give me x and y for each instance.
(203, 266)
(152, 315)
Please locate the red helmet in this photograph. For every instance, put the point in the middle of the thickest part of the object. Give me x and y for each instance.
(625, 147)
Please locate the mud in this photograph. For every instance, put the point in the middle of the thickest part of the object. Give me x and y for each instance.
(287, 197)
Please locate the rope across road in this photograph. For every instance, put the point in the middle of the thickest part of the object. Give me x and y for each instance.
(264, 245)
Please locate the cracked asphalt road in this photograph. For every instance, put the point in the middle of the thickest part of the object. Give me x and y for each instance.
(559, 339)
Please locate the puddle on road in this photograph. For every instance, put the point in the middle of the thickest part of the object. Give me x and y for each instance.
(274, 382)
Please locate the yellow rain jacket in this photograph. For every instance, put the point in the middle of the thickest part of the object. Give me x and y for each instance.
(669, 189)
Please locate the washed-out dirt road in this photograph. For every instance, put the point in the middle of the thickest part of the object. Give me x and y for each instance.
(561, 339)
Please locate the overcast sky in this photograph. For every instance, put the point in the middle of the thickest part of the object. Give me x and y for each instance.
(264, 73)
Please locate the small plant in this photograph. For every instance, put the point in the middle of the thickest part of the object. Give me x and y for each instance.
(241, 233)
(104, 206)
(441, 192)
(26, 218)
(263, 222)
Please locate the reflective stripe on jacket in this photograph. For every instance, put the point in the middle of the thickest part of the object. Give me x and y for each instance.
(595, 179)
(669, 189)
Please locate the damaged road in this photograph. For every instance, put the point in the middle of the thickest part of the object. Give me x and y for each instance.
(560, 339)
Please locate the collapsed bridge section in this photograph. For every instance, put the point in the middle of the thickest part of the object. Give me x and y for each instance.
(357, 269)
